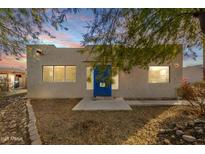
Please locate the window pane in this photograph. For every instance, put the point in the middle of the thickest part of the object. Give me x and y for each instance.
(3, 82)
(115, 79)
(89, 76)
(48, 73)
(158, 74)
(71, 73)
(59, 73)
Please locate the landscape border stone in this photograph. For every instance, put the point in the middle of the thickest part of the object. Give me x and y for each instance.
(32, 129)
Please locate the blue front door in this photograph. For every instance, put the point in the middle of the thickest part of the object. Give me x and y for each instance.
(101, 87)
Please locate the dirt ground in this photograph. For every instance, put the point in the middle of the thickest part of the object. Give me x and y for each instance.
(58, 124)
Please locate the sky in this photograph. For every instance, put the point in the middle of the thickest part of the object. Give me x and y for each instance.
(76, 27)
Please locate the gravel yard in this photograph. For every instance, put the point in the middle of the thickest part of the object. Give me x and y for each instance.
(14, 121)
(58, 124)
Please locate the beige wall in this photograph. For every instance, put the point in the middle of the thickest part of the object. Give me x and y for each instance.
(193, 73)
(133, 85)
(22, 81)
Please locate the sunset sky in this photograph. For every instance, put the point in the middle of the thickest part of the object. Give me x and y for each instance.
(76, 24)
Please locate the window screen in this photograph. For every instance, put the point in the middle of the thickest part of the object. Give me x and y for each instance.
(158, 74)
(48, 73)
(70, 73)
(59, 73)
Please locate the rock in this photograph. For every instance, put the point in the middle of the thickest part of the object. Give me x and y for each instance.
(189, 138)
(190, 124)
(173, 136)
(34, 137)
(13, 125)
(173, 125)
(166, 141)
(195, 143)
(199, 131)
(165, 130)
(199, 121)
(179, 132)
(197, 128)
(179, 126)
(13, 118)
(200, 140)
(23, 119)
(3, 112)
(24, 97)
(189, 131)
(168, 130)
(37, 142)
(162, 131)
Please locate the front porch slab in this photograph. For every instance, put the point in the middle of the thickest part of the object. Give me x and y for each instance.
(91, 104)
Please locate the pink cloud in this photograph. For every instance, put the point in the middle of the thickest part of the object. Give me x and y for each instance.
(70, 44)
(11, 61)
(62, 39)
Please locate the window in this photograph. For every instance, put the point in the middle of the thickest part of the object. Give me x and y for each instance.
(59, 73)
(89, 78)
(115, 79)
(70, 73)
(3, 82)
(3, 77)
(48, 73)
(158, 74)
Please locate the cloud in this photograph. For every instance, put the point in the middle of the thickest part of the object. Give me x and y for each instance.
(11, 61)
(79, 17)
(69, 39)
(61, 40)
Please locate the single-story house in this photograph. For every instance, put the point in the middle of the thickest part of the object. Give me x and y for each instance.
(12, 78)
(66, 73)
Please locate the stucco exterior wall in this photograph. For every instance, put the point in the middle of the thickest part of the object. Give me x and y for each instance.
(193, 73)
(133, 85)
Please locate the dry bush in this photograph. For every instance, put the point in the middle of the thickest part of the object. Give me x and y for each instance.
(194, 95)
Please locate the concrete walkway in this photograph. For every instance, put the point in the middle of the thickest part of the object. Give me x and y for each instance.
(89, 104)
(156, 102)
(15, 92)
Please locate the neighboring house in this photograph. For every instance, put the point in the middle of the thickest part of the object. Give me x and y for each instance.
(12, 78)
(66, 73)
(193, 73)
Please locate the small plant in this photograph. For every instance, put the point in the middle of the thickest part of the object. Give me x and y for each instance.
(194, 95)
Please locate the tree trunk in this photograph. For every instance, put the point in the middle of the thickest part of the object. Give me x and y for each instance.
(202, 21)
(201, 17)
